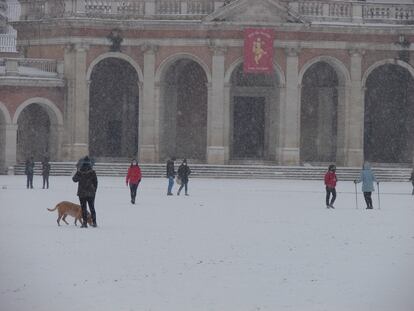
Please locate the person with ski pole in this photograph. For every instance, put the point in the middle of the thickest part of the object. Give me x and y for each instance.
(367, 178)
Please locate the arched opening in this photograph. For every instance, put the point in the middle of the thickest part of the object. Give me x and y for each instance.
(34, 133)
(252, 105)
(183, 117)
(113, 110)
(319, 114)
(389, 115)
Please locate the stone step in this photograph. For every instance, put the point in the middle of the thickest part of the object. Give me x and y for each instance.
(228, 171)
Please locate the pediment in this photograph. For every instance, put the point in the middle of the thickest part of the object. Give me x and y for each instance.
(255, 12)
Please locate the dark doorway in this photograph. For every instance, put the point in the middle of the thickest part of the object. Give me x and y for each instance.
(113, 112)
(389, 115)
(33, 134)
(248, 127)
(184, 115)
(319, 114)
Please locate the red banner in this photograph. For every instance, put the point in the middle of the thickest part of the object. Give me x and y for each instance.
(258, 50)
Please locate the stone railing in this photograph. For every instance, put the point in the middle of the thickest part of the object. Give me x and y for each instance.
(395, 13)
(132, 9)
(32, 67)
(7, 43)
(358, 12)
(310, 10)
(13, 11)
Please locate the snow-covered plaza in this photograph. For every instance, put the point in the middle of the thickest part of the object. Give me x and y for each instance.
(232, 245)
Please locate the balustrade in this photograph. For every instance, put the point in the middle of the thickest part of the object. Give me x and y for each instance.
(313, 10)
(389, 13)
(340, 10)
(52, 67)
(7, 43)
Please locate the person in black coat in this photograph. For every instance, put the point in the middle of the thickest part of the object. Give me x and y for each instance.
(87, 186)
(45, 172)
(183, 173)
(170, 175)
(29, 171)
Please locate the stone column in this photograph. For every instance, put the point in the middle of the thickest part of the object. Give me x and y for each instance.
(355, 113)
(150, 7)
(215, 119)
(148, 151)
(228, 120)
(290, 111)
(10, 145)
(77, 108)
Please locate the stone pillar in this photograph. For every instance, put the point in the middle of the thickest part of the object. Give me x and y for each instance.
(343, 92)
(150, 7)
(357, 12)
(148, 112)
(215, 119)
(10, 145)
(355, 113)
(77, 108)
(290, 111)
(228, 119)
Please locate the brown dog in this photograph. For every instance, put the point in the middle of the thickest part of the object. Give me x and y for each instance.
(66, 208)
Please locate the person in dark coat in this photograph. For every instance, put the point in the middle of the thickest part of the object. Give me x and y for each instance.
(29, 171)
(183, 173)
(45, 172)
(412, 180)
(170, 175)
(133, 179)
(87, 186)
(330, 183)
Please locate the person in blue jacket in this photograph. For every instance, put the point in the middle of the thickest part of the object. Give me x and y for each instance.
(367, 178)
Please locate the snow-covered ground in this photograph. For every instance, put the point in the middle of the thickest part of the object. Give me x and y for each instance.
(233, 245)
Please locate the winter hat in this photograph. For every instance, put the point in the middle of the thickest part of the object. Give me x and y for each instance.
(331, 167)
(86, 163)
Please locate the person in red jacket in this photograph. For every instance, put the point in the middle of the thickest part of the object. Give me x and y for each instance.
(330, 183)
(133, 179)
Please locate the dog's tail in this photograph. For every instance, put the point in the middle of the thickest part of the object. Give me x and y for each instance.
(53, 209)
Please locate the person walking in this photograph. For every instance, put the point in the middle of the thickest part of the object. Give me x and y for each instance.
(367, 178)
(330, 186)
(133, 179)
(45, 172)
(29, 171)
(170, 175)
(87, 186)
(412, 180)
(183, 173)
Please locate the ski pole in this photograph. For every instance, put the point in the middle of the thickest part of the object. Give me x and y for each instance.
(356, 196)
(379, 201)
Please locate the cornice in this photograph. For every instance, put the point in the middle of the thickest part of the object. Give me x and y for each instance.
(199, 25)
(144, 44)
(30, 82)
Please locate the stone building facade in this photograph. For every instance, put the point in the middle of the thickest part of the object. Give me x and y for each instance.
(156, 78)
